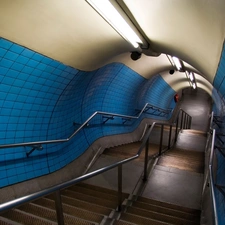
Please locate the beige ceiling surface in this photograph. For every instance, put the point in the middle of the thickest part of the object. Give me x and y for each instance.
(69, 31)
(72, 32)
(193, 30)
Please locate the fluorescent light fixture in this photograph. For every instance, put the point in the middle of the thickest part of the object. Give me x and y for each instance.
(194, 85)
(171, 60)
(177, 63)
(187, 74)
(113, 17)
(191, 76)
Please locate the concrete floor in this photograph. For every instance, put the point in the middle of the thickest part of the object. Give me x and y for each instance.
(165, 183)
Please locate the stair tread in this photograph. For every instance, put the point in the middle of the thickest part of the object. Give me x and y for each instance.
(88, 198)
(183, 159)
(51, 214)
(83, 205)
(141, 220)
(121, 222)
(6, 221)
(70, 210)
(94, 193)
(167, 211)
(169, 205)
(25, 218)
(160, 216)
(99, 189)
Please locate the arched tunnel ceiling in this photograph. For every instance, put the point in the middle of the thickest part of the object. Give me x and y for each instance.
(192, 30)
(179, 81)
(72, 32)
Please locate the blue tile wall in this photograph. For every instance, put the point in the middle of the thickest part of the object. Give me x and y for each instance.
(219, 84)
(43, 99)
(157, 93)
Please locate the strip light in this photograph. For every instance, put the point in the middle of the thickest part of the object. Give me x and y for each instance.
(113, 17)
(192, 81)
(177, 63)
(191, 76)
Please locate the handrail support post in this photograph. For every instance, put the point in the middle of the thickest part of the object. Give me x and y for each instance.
(161, 139)
(120, 187)
(59, 209)
(170, 134)
(146, 160)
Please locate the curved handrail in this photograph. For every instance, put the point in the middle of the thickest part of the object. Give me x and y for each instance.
(76, 131)
(211, 178)
(16, 202)
(31, 197)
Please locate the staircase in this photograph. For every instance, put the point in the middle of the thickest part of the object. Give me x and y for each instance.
(85, 204)
(148, 211)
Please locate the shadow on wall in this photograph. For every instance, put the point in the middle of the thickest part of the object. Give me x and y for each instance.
(42, 99)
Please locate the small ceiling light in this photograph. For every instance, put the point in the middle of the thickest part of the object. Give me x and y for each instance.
(177, 63)
(191, 76)
(113, 17)
(194, 85)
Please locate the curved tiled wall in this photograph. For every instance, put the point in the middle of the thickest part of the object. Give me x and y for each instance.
(42, 99)
(219, 84)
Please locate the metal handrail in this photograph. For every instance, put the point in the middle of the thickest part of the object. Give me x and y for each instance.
(56, 189)
(31, 197)
(38, 143)
(211, 179)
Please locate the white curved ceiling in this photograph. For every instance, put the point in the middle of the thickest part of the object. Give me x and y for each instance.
(72, 32)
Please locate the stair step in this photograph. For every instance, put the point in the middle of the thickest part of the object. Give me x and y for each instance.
(70, 210)
(51, 214)
(25, 218)
(101, 189)
(141, 220)
(169, 205)
(121, 222)
(94, 193)
(5, 221)
(83, 205)
(159, 216)
(88, 198)
(167, 211)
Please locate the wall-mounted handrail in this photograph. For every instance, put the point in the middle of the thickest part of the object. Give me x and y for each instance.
(38, 143)
(56, 189)
(211, 178)
(22, 200)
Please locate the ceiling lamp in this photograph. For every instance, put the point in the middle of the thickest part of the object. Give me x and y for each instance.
(177, 63)
(192, 80)
(107, 10)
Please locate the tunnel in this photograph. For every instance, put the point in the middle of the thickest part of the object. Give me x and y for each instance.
(76, 94)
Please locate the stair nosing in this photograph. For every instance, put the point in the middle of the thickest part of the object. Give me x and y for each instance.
(32, 215)
(162, 214)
